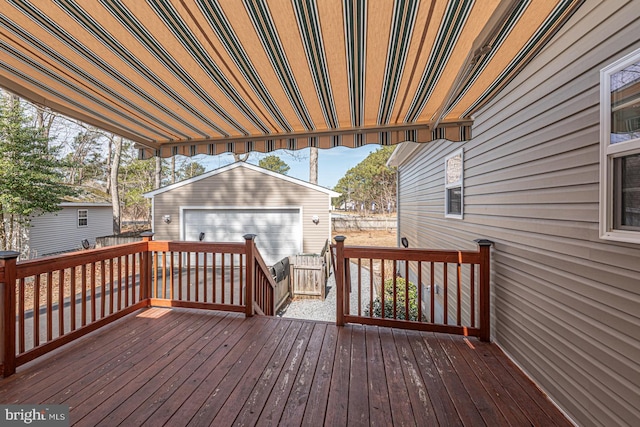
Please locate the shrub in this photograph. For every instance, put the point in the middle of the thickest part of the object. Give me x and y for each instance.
(400, 301)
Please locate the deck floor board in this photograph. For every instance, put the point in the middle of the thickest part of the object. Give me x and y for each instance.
(187, 367)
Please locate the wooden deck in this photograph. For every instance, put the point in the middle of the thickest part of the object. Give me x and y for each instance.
(187, 367)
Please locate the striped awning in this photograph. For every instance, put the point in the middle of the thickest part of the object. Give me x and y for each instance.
(212, 76)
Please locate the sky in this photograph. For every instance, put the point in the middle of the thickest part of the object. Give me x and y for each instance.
(333, 163)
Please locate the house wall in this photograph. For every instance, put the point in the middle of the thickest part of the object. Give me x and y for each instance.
(243, 187)
(59, 232)
(565, 304)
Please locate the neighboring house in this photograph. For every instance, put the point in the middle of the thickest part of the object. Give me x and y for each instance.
(289, 216)
(84, 218)
(552, 177)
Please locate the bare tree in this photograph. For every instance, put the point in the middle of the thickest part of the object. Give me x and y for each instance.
(158, 173)
(313, 165)
(115, 167)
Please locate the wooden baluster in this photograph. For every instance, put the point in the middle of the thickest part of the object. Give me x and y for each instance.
(472, 291)
(127, 289)
(21, 336)
(445, 284)
(72, 304)
(103, 287)
(232, 279)
(49, 306)
(36, 310)
(112, 287)
(60, 303)
(406, 290)
(197, 268)
(459, 290)
(180, 276)
(93, 291)
(83, 304)
(419, 285)
(433, 293)
(371, 287)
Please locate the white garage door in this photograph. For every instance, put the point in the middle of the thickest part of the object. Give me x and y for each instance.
(279, 231)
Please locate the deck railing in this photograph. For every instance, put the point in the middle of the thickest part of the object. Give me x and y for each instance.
(51, 301)
(432, 290)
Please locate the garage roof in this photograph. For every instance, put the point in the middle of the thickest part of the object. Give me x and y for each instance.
(207, 76)
(235, 165)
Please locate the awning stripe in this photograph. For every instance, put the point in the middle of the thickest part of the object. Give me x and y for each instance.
(263, 23)
(355, 22)
(220, 24)
(170, 17)
(91, 85)
(36, 83)
(112, 44)
(309, 25)
(55, 31)
(448, 33)
(530, 49)
(138, 30)
(404, 19)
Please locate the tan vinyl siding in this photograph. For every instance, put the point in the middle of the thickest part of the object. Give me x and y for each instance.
(243, 187)
(565, 304)
(59, 232)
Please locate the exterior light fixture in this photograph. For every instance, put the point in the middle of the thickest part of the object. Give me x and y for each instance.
(315, 219)
(201, 237)
(405, 242)
(166, 219)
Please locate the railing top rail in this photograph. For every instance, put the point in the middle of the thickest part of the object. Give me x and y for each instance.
(32, 267)
(217, 247)
(401, 254)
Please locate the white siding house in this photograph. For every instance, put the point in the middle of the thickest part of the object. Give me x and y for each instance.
(64, 230)
(537, 179)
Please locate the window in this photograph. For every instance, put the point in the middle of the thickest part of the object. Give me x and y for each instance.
(453, 194)
(83, 217)
(620, 150)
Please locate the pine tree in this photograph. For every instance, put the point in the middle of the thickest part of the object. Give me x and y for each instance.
(31, 177)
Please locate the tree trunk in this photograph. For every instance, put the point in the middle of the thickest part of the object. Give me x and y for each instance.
(115, 196)
(158, 173)
(240, 157)
(173, 169)
(313, 165)
(109, 166)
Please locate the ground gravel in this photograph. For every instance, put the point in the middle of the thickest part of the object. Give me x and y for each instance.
(316, 309)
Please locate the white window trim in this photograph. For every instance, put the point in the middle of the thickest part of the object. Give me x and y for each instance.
(609, 152)
(86, 217)
(459, 183)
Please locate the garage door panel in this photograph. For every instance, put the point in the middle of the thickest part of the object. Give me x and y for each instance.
(278, 230)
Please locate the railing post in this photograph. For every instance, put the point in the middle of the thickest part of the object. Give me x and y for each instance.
(485, 288)
(145, 273)
(251, 277)
(340, 261)
(8, 306)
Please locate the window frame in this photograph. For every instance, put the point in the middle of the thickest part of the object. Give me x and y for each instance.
(85, 218)
(610, 152)
(458, 183)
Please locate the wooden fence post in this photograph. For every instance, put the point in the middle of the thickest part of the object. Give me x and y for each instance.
(485, 288)
(251, 277)
(8, 306)
(340, 261)
(145, 273)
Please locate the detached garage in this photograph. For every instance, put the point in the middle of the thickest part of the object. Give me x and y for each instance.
(288, 215)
